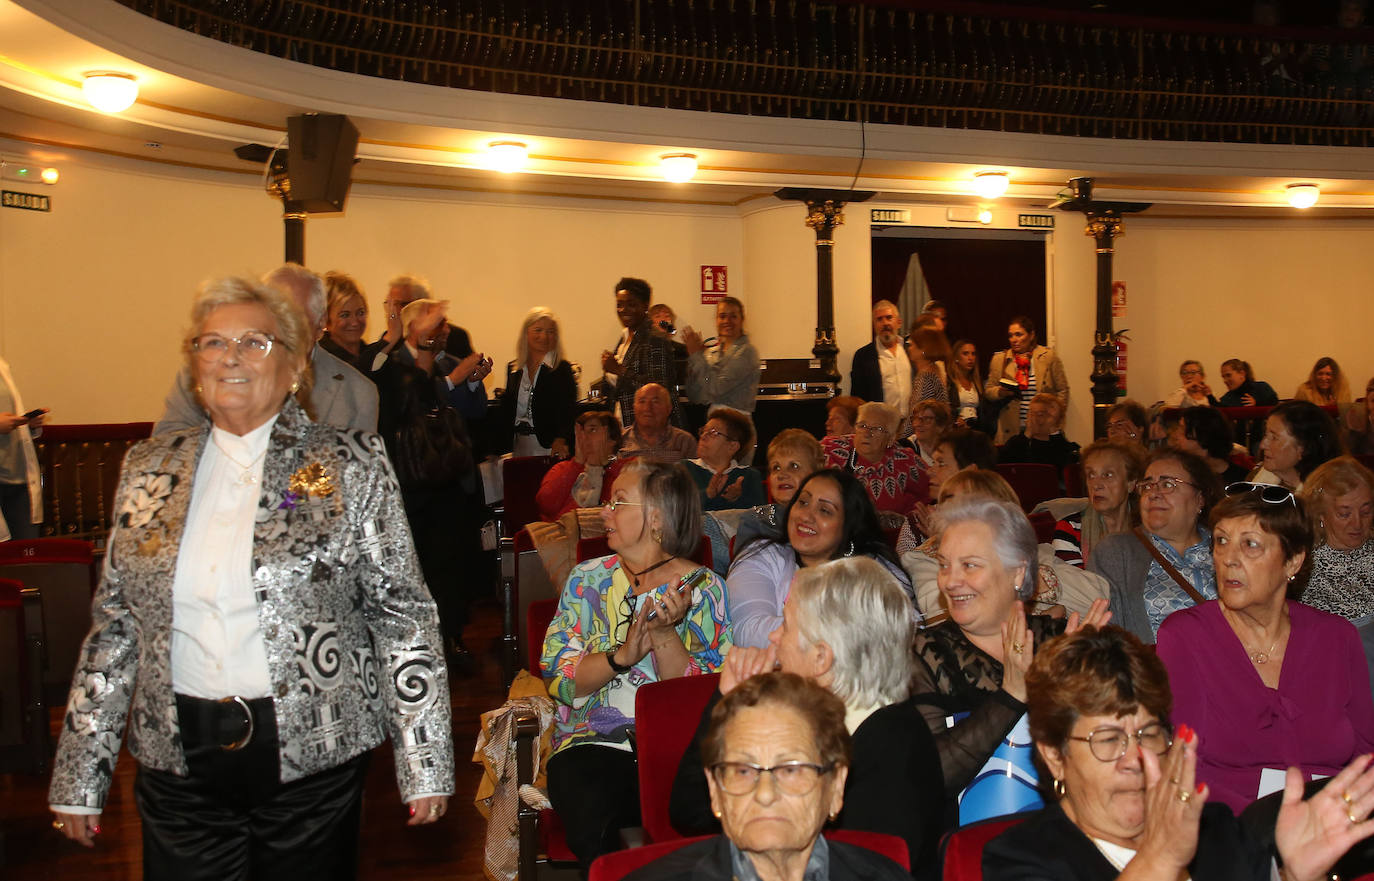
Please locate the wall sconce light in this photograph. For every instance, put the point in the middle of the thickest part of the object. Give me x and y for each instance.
(507, 156)
(1303, 195)
(678, 167)
(109, 91)
(990, 184)
(985, 216)
(49, 176)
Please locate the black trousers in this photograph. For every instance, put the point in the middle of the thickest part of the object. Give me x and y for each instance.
(232, 818)
(595, 790)
(14, 504)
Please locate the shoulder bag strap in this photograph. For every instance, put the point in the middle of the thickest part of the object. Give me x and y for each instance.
(1167, 566)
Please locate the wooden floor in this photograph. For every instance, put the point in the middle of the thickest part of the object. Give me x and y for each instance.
(450, 849)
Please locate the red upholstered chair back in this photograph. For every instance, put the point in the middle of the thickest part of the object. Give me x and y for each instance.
(614, 866)
(1043, 524)
(704, 556)
(1074, 484)
(14, 685)
(1033, 483)
(961, 851)
(537, 619)
(666, 717)
(520, 479)
(63, 572)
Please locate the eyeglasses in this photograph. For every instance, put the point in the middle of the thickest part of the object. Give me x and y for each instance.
(1109, 744)
(874, 429)
(1165, 485)
(793, 778)
(1269, 492)
(627, 614)
(711, 432)
(1121, 426)
(252, 346)
(618, 503)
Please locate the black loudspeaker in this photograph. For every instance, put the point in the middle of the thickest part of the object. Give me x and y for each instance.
(319, 160)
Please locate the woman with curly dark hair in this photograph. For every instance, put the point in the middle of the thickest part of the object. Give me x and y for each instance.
(1298, 436)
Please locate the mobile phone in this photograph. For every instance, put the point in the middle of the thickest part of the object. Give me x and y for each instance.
(39, 411)
(653, 613)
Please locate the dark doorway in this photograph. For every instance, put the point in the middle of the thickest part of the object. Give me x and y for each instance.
(983, 277)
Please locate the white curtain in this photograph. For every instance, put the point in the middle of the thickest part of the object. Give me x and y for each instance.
(915, 292)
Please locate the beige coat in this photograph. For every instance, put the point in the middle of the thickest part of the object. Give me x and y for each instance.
(1049, 378)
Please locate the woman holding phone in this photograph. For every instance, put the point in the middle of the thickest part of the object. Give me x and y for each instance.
(21, 499)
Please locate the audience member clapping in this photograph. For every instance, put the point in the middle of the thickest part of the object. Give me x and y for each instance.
(793, 456)
(1110, 472)
(1207, 434)
(540, 401)
(778, 757)
(1242, 389)
(831, 516)
(1267, 682)
(643, 614)
(725, 446)
(1042, 441)
(1298, 436)
(893, 475)
(847, 626)
(1194, 391)
(1126, 804)
(841, 412)
(929, 421)
(1325, 386)
(1166, 564)
(975, 662)
(1358, 424)
(1127, 422)
(726, 373)
(653, 437)
(585, 480)
(640, 356)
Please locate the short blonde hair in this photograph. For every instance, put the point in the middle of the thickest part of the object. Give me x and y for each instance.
(293, 333)
(1333, 478)
(411, 311)
(799, 443)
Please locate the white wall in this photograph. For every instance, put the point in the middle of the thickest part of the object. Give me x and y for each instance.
(93, 296)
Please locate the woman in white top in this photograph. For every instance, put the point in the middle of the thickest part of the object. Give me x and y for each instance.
(540, 402)
(21, 497)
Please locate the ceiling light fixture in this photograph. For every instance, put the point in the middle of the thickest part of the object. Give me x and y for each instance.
(507, 156)
(109, 91)
(985, 217)
(49, 175)
(678, 167)
(1303, 195)
(990, 184)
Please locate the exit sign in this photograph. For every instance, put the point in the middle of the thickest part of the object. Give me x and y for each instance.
(1035, 221)
(25, 201)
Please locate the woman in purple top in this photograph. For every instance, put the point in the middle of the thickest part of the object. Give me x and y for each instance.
(1266, 681)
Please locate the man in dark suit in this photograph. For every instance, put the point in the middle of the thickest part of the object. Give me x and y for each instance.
(881, 371)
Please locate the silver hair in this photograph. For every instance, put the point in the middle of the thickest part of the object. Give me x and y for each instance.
(856, 607)
(1012, 534)
(670, 490)
(522, 345)
(890, 416)
(415, 286)
(411, 311)
(305, 286)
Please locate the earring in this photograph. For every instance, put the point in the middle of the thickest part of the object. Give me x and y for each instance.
(1291, 577)
(717, 813)
(1321, 523)
(849, 553)
(833, 815)
(295, 386)
(656, 534)
(200, 389)
(1059, 787)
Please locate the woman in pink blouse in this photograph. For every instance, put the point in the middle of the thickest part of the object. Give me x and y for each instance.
(1266, 681)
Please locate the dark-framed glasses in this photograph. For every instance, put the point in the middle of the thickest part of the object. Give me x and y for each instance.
(793, 778)
(1165, 485)
(711, 432)
(254, 345)
(627, 614)
(1110, 743)
(873, 429)
(1269, 492)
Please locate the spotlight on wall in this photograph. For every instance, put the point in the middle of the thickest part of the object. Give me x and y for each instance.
(678, 167)
(985, 217)
(110, 91)
(990, 184)
(1303, 195)
(507, 156)
(49, 176)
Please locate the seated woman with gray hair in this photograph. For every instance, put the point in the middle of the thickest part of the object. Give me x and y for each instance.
(847, 626)
(894, 475)
(972, 667)
(794, 730)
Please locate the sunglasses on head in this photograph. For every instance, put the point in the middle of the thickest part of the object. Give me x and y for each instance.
(1269, 492)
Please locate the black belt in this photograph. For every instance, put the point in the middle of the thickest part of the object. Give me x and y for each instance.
(524, 428)
(230, 723)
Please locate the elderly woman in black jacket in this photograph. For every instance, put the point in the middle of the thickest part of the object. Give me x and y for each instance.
(539, 405)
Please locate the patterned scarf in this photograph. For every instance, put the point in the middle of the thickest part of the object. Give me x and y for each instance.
(1022, 369)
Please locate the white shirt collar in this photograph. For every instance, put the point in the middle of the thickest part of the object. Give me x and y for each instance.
(251, 444)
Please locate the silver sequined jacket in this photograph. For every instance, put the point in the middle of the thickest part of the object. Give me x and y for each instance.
(352, 636)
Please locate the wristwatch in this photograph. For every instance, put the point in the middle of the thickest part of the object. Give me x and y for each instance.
(618, 668)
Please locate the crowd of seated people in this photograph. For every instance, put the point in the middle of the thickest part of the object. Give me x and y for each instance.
(888, 566)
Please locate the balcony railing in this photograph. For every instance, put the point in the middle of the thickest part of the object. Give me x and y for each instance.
(882, 62)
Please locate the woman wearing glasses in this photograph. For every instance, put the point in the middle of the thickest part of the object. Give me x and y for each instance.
(1267, 681)
(1165, 564)
(894, 475)
(644, 614)
(721, 470)
(1128, 801)
(261, 625)
(778, 758)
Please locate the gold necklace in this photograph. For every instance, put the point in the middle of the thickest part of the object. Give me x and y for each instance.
(247, 477)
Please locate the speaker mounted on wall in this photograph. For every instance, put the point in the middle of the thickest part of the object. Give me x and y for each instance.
(319, 159)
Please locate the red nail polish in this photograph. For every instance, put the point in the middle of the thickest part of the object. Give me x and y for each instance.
(1183, 732)
(412, 810)
(1200, 787)
(95, 830)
